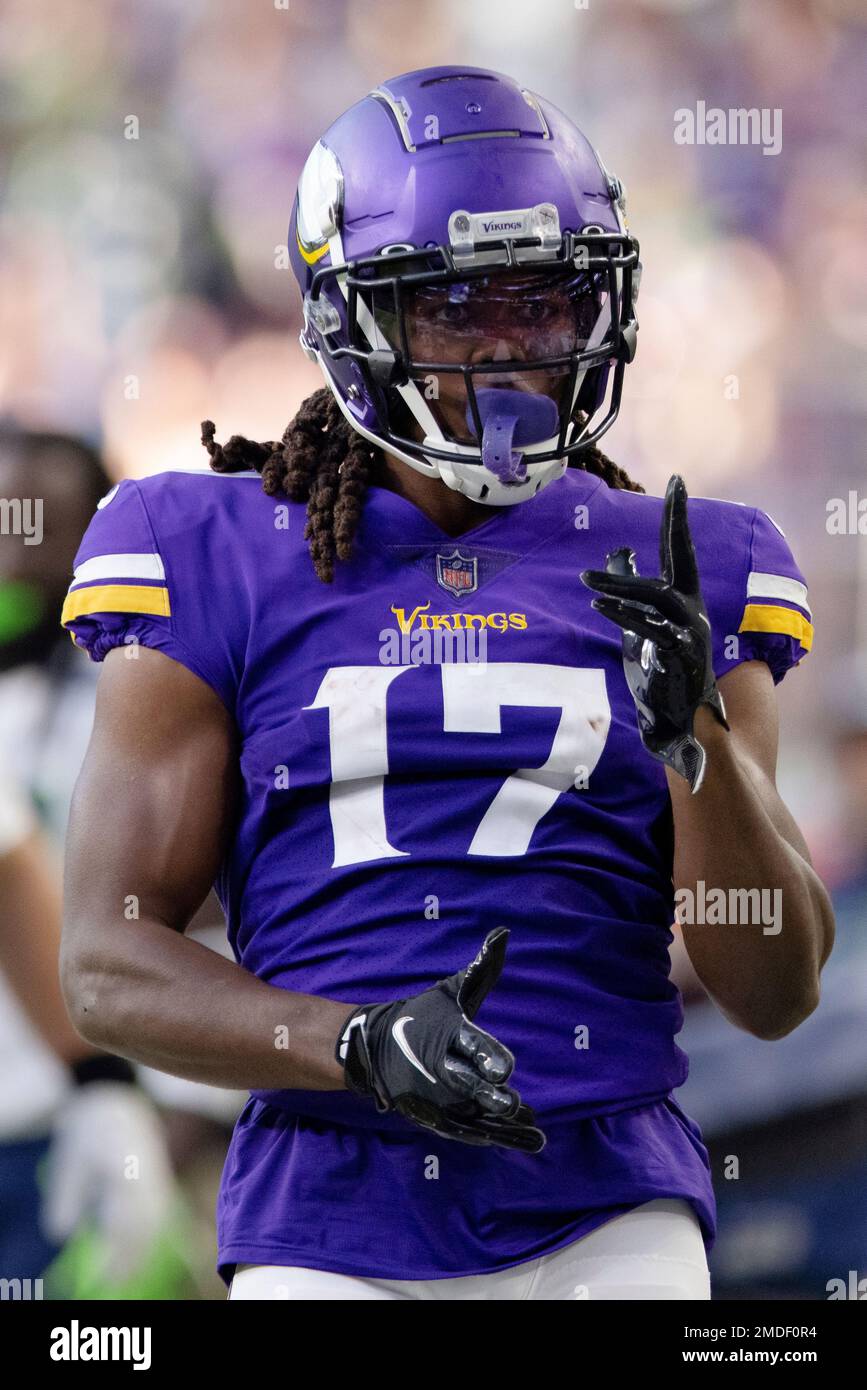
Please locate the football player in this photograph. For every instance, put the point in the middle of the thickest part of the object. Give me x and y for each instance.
(449, 883)
(70, 1117)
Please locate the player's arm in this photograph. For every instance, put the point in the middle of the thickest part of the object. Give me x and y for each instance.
(30, 940)
(151, 815)
(736, 833)
(150, 818)
(719, 746)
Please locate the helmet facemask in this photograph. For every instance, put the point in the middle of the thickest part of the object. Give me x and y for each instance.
(497, 356)
(472, 343)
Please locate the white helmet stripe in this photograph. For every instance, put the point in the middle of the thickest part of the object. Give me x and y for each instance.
(409, 393)
(597, 335)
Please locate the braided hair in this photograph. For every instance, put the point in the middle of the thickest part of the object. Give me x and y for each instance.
(322, 461)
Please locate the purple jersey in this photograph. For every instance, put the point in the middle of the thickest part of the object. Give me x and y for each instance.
(398, 802)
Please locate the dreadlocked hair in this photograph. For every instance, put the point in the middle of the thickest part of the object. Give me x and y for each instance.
(322, 461)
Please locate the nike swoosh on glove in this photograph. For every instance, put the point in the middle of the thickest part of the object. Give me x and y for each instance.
(426, 1059)
(667, 650)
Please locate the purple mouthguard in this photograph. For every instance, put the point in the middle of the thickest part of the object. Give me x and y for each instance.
(511, 419)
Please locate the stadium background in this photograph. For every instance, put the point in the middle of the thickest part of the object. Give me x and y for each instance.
(148, 158)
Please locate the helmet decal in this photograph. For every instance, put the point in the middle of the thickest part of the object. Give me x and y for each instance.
(319, 203)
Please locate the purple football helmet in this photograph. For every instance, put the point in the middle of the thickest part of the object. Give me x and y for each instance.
(468, 280)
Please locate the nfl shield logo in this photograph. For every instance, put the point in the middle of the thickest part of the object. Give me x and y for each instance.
(457, 574)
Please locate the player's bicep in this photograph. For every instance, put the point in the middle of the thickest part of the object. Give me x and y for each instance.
(154, 801)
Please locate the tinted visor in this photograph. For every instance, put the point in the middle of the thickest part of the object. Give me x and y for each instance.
(518, 330)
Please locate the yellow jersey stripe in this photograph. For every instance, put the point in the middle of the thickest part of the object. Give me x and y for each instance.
(116, 598)
(766, 617)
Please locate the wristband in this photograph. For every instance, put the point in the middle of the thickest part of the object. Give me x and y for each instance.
(101, 1067)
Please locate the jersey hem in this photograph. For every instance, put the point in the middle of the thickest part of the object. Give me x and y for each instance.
(264, 1253)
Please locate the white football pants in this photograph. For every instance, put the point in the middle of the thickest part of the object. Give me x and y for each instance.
(653, 1252)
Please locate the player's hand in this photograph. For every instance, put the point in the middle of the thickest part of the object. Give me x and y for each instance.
(426, 1059)
(101, 1130)
(667, 653)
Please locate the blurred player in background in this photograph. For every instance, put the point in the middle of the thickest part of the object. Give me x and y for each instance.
(83, 1156)
(469, 286)
(71, 1119)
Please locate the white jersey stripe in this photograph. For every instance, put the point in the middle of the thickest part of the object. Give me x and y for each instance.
(120, 567)
(203, 471)
(760, 585)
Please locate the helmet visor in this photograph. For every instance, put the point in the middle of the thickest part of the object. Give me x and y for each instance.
(516, 330)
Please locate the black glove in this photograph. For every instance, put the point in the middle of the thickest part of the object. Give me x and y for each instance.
(424, 1058)
(667, 653)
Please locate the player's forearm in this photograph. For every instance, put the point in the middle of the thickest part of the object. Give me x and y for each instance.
(741, 858)
(155, 996)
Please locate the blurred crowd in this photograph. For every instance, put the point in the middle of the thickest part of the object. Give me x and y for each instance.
(149, 154)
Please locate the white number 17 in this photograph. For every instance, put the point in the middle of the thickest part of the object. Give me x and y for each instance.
(473, 697)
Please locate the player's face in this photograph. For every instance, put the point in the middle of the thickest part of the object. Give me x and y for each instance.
(510, 318)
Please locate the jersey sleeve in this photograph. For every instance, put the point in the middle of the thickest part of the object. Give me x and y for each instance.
(132, 585)
(767, 614)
